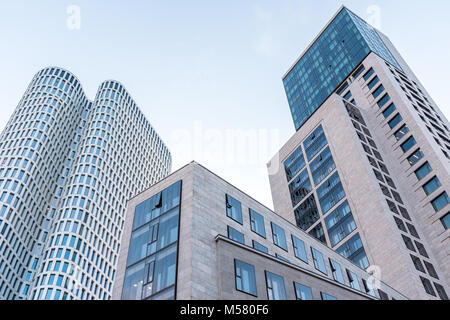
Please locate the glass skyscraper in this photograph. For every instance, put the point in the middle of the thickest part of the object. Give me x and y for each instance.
(67, 167)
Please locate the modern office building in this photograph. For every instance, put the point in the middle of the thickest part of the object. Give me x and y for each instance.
(368, 170)
(195, 236)
(68, 165)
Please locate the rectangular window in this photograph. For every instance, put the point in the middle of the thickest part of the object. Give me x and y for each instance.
(326, 296)
(330, 193)
(279, 237)
(415, 157)
(257, 223)
(359, 71)
(441, 291)
(234, 209)
(378, 91)
(307, 213)
(314, 143)
(389, 110)
(245, 277)
(431, 186)
(368, 288)
(423, 171)
(401, 132)
(235, 235)
(440, 202)
(353, 280)
(395, 121)
(258, 246)
(275, 287)
(348, 95)
(408, 144)
(373, 82)
(300, 188)
(337, 271)
(302, 292)
(446, 221)
(383, 100)
(281, 258)
(340, 223)
(319, 261)
(322, 166)
(299, 249)
(368, 74)
(294, 164)
(353, 250)
(427, 286)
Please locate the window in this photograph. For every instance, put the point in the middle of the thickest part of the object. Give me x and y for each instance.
(279, 237)
(441, 291)
(412, 230)
(383, 100)
(337, 271)
(319, 262)
(322, 166)
(359, 71)
(330, 193)
(378, 91)
(348, 95)
(302, 292)
(440, 202)
(421, 249)
(427, 286)
(257, 223)
(234, 209)
(260, 247)
(314, 143)
(307, 213)
(326, 296)
(389, 110)
(395, 121)
(417, 263)
(275, 287)
(340, 223)
(431, 186)
(353, 250)
(300, 188)
(245, 277)
(415, 157)
(373, 82)
(368, 288)
(318, 233)
(423, 171)
(279, 257)
(409, 243)
(368, 74)
(408, 144)
(446, 221)
(401, 132)
(235, 235)
(430, 268)
(299, 249)
(294, 164)
(353, 280)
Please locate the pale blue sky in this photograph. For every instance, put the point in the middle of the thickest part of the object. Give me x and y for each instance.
(217, 62)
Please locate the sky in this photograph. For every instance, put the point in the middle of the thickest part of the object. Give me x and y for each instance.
(206, 73)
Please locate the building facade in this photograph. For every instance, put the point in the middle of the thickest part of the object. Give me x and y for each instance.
(195, 236)
(368, 170)
(67, 167)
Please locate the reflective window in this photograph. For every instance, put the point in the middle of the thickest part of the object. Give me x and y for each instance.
(300, 188)
(373, 82)
(368, 74)
(337, 271)
(319, 262)
(401, 132)
(322, 166)
(395, 121)
(314, 143)
(302, 292)
(235, 235)
(431, 186)
(340, 223)
(294, 164)
(440, 202)
(408, 144)
(382, 102)
(446, 221)
(326, 296)
(353, 280)
(318, 233)
(378, 91)
(307, 213)
(275, 287)
(330, 193)
(279, 236)
(258, 246)
(415, 157)
(389, 110)
(234, 209)
(257, 223)
(299, 249)
(245, 277)
(353, 250)
(423, 171)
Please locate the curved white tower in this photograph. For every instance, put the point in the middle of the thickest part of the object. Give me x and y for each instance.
(67, 167)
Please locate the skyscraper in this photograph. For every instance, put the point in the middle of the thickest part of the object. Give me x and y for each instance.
(67, 167)
(368, 170)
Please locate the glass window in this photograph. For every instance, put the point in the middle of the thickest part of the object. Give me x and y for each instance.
(408, 144)
(389, 110)
(368, 74)
(337, 271)
(395, 121)
(281, 258)
(428, 287)
(383, 100)
(368, 288)
(245, 277)
(326, 296)
(257, 223)
(415, 157)
(307, 213)
(258, 246)
(132, 286)
(353, 280)
(340, 223)
(165, 271)
(423, 171)
(401, 132)
(440, 202)
(234, 209)
(294, 164)
(279, 236)
(373, 82)
(302, 292)
(235, 235)
(378, 91)
(353, 250)
(319, 261)
(300, 188)
(318, 233)
(446, 221)
(275, 287)
(315, 142)
(322, 166)
(431, 186)
(299, 249)
(330, 193)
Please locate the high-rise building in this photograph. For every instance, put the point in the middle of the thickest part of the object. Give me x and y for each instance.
(368, 170)
(68, 165)
(195, 236)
